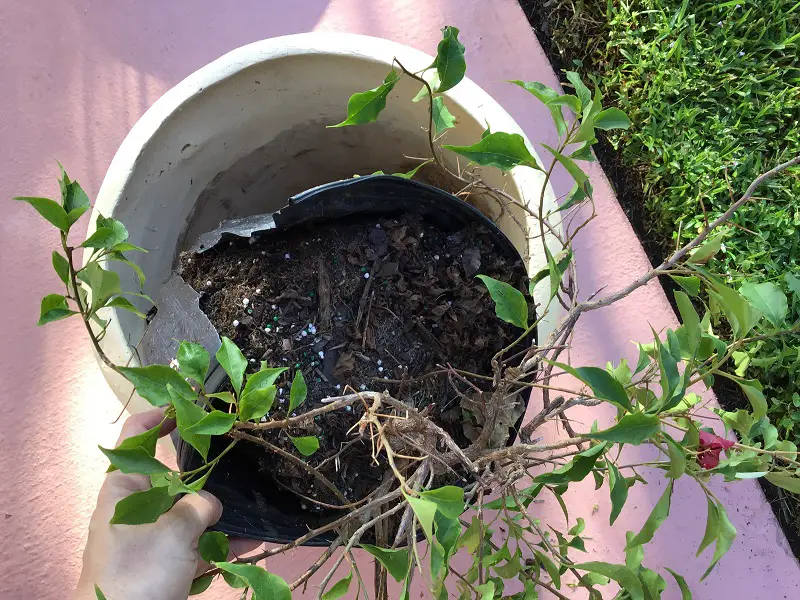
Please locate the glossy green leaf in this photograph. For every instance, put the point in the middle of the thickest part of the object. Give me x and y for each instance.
(187, 413)
(103, 283)
(61, 266)
(690, 319)
(768, 299)
(724, 534)
(98, 594)
(618, 490)
(567, 100)
(306, 445)
(793, 283)
(550, 567)
(299, 391)
(602, 384)
(256, 404)
(612, 118)
(364, 107)
(127, 247)
(576, 195)
(142, 507)
(265, 585)
(581, 91)
(753, 389)
(545, 94)
(633, 429)
(686, 593)
(706, 251)
(338, 589)
(124, 304)
(151, 382)
(410, 174)
(395, 561)
(485, 590)
(449, 63)
(502, 150)
(442, 119)
(213, 546)
(74, 200)
(233, 361)
(134, 460)
(146, 440)
(626, 578)
(214, 423)
(657, 516)
(103, 237)
(677, 458)
(449, 500)
(509, 303)
(200, 585)
(119, 257)
(193, 361)
(425, 510)
(785, 481)
(690, 284)
(49, 209)
(572, 168)
(54, 308)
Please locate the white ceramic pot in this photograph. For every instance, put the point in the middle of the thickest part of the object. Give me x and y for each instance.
(242, 134)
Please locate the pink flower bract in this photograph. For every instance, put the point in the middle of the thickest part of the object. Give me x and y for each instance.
(710, 447)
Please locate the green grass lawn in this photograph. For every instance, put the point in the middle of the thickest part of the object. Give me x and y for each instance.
(713, 91)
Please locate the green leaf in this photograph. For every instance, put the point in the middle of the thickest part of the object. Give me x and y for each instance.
(338, 589)
(502, 150)
(612, 118)
(618, 491)
(124, 304)
(103, 283)
(643, 361)
(567, 100)
(103, 237)
(50, 210)
(54, 308)
(449, 63)
(706, 251)
(98, 593)
(265, 586)
(658, 515)
(785, 481)
(583, 93)
(61, 267)
(793, 284)
(213, 546)
(151, 382)
(214, 423)
(737, 309)
(550, 567)
(767, 299)
(233, 361)
(425, 511)
(633, 429)
(226, 397)
(118, 257)
(545, 95)
(193, 361)
(146, 440)
(753, 389)
(690, 284)
(677, 458)
(449, 500)
(256, 404)
(126, 247)
(686, 593)
(410, 174)
(442, 119)
(395, 561)
(712, 526)
(509, 303)
(575, 470)
(306, 445)
(187, 413)
(578, 528)
(299, 391)
(691, 320)
(626, 578)
(602, 384)
(576, 195)
(365, 107)
(570, 165)
(725, 533)
(486, 590)
(200, 585)
(74, 199)
(134, 460)
(265, 378)
(142, 507)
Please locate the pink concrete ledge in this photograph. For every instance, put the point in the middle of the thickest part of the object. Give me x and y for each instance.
(76, 76)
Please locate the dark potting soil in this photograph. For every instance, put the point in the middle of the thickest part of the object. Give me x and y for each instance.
(543, 16)
(371, 303)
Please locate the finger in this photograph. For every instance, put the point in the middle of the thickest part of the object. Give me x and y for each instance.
(194, 513)
(141, 422)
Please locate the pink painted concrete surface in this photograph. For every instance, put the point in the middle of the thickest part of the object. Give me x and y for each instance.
(76, 75)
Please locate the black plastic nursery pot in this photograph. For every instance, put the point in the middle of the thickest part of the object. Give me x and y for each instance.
(255, 505)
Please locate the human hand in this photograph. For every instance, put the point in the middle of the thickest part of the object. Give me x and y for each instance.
(157, 561)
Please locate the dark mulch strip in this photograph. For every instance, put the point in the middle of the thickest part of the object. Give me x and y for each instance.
(628, 186)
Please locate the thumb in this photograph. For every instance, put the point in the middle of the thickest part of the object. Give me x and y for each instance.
(194, 513)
